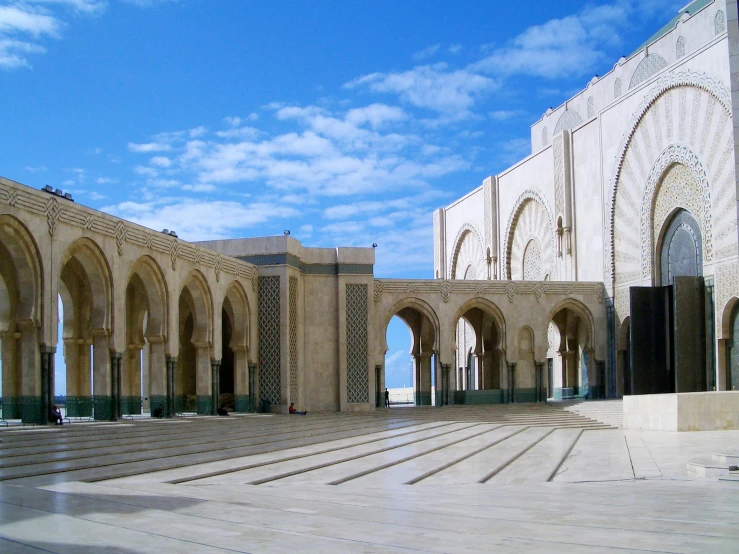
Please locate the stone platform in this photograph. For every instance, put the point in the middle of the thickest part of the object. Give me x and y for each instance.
(460, 479)
(691, 411)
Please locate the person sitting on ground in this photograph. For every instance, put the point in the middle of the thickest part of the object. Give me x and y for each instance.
(222, 411)
(293, 411)
(56, 416)
(157, 412)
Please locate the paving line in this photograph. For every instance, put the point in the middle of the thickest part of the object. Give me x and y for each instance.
(510, 460)
(159, 445)
(566, 455)
(407, 458)
(295, 457)
(359, 456)
(458, 460)
(115, 462)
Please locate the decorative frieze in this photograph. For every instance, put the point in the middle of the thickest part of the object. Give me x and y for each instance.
(64, 211)
(445, 288)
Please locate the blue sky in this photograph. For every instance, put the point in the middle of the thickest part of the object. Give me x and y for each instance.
(346, 122)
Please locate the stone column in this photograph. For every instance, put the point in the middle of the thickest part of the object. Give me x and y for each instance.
(425, 379)
(203, 379)
(115, 385)
(241, 379)
(131, 380)
(512, 382)
(34, 383)
(215, 379)
(101, 377)
(158, 393)
(252, 387)
(539, 371)
(171, 365)
(145, 363)
(12, 398)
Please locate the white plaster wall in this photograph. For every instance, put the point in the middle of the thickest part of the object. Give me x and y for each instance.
(697, 30)
(588, 194)
(470, 210)
(534, 173)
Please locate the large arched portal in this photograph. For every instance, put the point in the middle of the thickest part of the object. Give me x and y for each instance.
(194, 386)
(424, 327)
(234, 382)
(573, 364)
(20, 292)
(85, 289)
(142, 366)
(680, 251)
(480, 356)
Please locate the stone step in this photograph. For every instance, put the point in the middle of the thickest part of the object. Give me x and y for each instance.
(709, 468)
(726, 457)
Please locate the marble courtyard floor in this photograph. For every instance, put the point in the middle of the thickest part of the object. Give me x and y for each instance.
(513, 478)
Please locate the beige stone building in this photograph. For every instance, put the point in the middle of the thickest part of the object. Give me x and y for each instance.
(543, 275)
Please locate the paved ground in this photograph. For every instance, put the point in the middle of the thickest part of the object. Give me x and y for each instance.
(526, 478)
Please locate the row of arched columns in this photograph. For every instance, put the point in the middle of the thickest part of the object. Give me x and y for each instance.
(520, 348)
(141, 328)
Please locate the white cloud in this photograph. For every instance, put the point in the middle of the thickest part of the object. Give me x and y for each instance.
(568, 46)
(149, 147)
(13, 53)
(435, 87)
(160, 161)
(200, 220)
(455, 48)
(105, 180)
(426, 52)
(199, 188)
(503, 115)
(22, 18)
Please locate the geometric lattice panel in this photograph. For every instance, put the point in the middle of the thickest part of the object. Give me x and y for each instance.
(532, 262)
(293, 338)
(269, 339)
(357, 385)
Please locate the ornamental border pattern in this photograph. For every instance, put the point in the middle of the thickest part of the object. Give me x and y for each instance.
(661, 86)
(447, 287)
(466, 227)
(528, 194)
(671, 155)
(123, 232)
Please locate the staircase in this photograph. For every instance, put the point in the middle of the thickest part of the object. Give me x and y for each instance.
(609, 412)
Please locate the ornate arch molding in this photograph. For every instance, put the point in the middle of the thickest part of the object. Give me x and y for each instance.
(467, 228)
(662, 85)
(529, 195)
(671, 155)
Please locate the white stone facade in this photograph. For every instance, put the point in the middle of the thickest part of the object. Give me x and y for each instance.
(608, 171)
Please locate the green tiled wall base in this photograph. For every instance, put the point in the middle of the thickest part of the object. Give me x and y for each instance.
(205, 404)
(423, 399)
(130, 405)
(12, 407)
(525, 395)
(185, 403)
(102, 407)
(78, 406)
(243, 403)
(477, 397)
(158, 401)
(31, 411)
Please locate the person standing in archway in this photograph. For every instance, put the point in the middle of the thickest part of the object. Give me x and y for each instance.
(387, 398)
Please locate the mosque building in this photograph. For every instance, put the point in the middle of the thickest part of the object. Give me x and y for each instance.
(606, 263)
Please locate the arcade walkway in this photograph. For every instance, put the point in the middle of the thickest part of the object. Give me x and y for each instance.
(527, 478)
